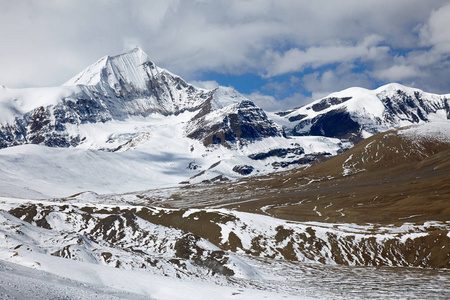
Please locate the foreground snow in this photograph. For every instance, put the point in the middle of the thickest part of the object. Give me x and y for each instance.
(29, 271)
(54, 278)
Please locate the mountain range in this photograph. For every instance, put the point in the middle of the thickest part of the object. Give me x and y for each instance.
(124, 110)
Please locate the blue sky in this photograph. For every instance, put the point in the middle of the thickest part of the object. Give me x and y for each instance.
(280, 53)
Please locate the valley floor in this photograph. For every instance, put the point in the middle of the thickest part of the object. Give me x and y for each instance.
(69, 279)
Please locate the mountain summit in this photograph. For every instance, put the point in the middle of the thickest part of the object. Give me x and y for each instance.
(358, 113)
(131, 75)
(126, 68)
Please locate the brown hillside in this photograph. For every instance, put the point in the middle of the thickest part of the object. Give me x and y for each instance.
(388, 179)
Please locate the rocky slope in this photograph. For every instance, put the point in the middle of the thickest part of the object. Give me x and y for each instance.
(203, 243)
(132, 248)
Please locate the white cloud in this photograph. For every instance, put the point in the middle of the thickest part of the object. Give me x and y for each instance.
(268, 103)
(295, 60)
(427, 66)
(272, 104)
(47, 42)
(208, 84)
(398, 73)
(321, 84)
(437, 30)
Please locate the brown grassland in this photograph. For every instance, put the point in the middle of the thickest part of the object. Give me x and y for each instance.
(390, 179)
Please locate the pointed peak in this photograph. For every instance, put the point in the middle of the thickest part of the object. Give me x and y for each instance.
(137, 55)
(124, 65)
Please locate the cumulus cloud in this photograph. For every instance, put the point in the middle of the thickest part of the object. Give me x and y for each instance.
(398, 73)
(47, 42)
(268, 103)
(427, 66)
(321, 84)
(272, 104)
(295, 60)
(207, 84)
(436, 31)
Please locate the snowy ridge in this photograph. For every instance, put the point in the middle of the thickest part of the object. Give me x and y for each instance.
(438, 131)
(112, 70)
(360, 113)
(91, 75)
(172, 241)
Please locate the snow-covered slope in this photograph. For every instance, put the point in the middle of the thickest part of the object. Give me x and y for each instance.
(125, 116)
(357, 113)
(86, 245)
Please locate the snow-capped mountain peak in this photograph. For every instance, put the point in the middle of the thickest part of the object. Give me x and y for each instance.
(224, 96)
(394, 86)
(129, 67)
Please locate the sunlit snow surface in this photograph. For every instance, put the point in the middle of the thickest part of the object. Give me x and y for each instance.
(438, 131)
(149, 152)
(67, 279)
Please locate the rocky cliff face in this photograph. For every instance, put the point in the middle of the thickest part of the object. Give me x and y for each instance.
(242, 122)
